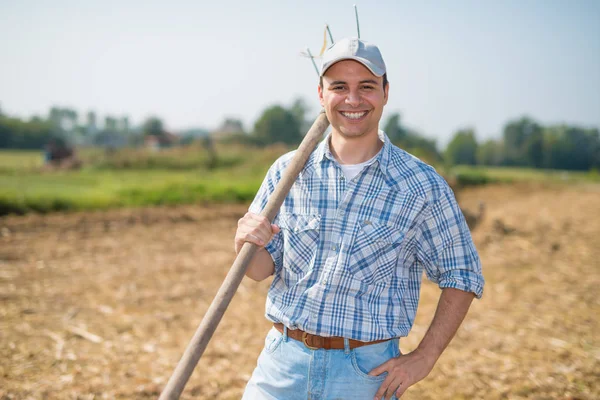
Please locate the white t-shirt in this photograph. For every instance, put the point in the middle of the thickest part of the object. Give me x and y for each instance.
(351, 170)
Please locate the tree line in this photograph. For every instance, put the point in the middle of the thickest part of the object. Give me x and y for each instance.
(524, 142)
(527, 143)
(62, 125)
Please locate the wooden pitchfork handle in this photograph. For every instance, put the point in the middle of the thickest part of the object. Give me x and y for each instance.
(234, 277)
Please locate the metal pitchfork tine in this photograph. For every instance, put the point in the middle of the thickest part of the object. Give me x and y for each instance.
(234, 277)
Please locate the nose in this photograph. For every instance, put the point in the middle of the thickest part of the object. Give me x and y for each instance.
(353, 98)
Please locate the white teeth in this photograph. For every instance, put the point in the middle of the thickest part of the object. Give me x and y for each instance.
(354, 115)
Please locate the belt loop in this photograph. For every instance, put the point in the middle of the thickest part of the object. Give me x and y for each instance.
(285, 334)
(346, 346)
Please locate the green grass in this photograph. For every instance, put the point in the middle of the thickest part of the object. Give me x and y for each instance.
(92, 189)
(20, 160)
(470, 175)
(175, 176)
(179, 176)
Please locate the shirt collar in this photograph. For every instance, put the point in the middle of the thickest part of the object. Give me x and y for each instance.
(323, 152)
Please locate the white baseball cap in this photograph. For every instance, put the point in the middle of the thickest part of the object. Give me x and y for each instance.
(354, 49)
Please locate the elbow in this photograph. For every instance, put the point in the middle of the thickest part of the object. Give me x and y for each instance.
(258, 274)
(252, 275)
(256, 277)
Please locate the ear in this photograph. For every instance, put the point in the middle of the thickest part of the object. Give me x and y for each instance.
(320, 90)
(386, 90)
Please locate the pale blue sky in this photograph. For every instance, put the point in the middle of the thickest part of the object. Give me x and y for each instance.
(451, 64)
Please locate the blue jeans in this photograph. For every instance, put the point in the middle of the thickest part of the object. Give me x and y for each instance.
(288, 370)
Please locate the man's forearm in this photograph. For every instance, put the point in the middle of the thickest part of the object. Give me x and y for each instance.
(450, 312)
(261, 266)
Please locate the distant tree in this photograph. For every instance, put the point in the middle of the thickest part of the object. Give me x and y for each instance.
(522, 142)
(63, 119)
(153, 126)
(55, 117)
(571, 147)
(124, 125)
(18, 134)
(410, 140)
(277, 124)
(299, 110)
(533, 148)
(6, 133)
(91, 123)
(421, 147)
(70, 119)
(462, 149)
(394, 129)
(110, 124)
(230, 126)
(490, 152)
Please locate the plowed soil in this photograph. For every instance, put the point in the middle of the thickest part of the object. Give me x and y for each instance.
(102, 305)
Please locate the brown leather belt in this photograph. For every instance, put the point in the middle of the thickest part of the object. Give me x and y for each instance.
(315, 342)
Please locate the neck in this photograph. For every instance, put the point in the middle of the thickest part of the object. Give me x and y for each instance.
(354, 150)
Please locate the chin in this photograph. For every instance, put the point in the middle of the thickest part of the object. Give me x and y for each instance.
(349, 133)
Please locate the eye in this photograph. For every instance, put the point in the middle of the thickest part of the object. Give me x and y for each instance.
(367, 87)
(337, 88)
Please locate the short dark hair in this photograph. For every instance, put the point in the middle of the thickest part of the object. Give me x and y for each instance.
(385, 81)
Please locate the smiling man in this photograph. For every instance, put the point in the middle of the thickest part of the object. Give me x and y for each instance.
(348, 249)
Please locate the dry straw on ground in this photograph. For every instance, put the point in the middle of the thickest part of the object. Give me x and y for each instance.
(102, 305)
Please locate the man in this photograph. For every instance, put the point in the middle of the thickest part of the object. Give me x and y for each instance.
(348, 249)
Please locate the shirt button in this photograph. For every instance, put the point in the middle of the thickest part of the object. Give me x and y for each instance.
(367, 222)
(334, 247)
(341, 177)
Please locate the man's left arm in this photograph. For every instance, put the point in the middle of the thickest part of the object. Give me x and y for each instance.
(446, 250)
(406, 370)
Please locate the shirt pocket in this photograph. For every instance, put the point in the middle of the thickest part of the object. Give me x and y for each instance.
(300, 240)
(375, 251)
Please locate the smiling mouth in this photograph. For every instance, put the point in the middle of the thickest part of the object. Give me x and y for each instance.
(354, 115)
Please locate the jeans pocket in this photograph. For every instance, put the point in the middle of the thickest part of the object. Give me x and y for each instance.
(272, 341)
(365, 359)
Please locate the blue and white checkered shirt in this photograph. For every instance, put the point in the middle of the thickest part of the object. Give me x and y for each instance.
(350, 255)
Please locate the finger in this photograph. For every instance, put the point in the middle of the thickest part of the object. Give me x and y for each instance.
(276, 229)
(380, 392)
(244, 235)
(393, 387)
(267, 226)
(254, 239)
(263, 233)
(400, 391)
(379, 370)
(383, 388)
(262, 224)
(251, 225)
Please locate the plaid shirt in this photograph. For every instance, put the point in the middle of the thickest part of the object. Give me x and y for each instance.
(350, 255)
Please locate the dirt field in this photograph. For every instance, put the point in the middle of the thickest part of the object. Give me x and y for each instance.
(101, 305)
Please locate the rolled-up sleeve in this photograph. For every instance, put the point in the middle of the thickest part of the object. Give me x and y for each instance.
(275, 246)
(445, 247)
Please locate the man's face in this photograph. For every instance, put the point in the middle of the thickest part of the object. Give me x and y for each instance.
(353, 99)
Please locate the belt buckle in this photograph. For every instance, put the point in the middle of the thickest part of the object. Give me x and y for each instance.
(304, 340)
